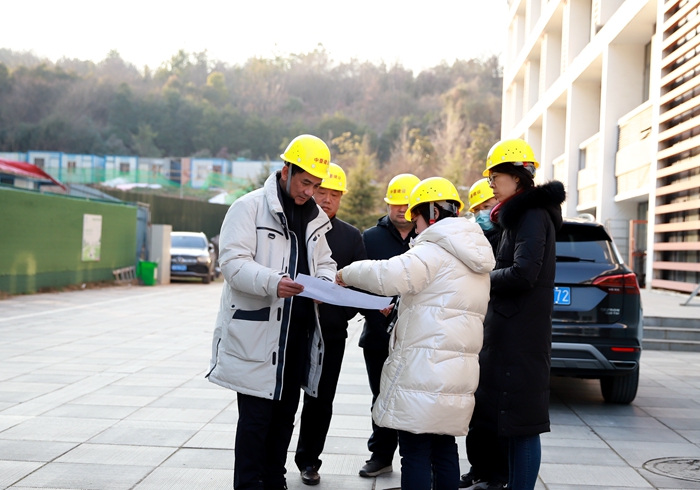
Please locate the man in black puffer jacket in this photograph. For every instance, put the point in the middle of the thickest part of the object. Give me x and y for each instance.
(389, 238)
(346, 246)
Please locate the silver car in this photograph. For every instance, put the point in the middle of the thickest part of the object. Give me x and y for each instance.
(191, 255)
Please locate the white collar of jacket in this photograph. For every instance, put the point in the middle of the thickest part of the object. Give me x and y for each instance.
(457, 236)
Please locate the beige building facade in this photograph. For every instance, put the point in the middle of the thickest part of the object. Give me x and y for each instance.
(607, 92)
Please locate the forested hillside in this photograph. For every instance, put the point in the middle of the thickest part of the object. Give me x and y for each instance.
(441, 120)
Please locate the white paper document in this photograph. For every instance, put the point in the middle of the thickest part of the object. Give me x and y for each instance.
(331, 293)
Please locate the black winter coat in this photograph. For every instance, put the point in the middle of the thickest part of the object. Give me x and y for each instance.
(347, 247)
(494, 237)
(382, 242)
(513, 394)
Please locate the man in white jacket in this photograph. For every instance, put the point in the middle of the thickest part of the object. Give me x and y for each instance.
(267, 341)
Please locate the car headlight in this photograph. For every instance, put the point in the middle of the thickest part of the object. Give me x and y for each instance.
(203, 259)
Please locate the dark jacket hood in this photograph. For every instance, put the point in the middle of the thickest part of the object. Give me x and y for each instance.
(548, 196)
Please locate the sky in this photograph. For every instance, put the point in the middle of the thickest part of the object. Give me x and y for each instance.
(148, 32)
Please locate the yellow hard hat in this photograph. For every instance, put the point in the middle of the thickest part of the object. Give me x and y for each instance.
(479, 192)
(432, 190)
(515, 151)
(337, 180)
(400, 188)
(310, 154)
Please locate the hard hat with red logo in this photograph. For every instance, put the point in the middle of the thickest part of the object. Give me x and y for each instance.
(310, 154)
(400, 188)
(479, 192)
(337, 180)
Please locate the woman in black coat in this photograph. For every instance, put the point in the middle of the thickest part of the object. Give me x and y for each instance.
(513, 395)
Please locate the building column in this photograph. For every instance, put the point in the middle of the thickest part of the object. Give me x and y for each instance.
(582, 119)
(621, 91)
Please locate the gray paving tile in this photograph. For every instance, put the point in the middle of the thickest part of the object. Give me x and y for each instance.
(123, 400)
(174, 414)
(590, 487)
(212, 440)
(578, 455)
(221, 459)
(228, 416)
(60, 429)
(33, 450)
(12, 471)
(7, 421)
(330, 481)
(644, 435)
(92, 411)
(182, 402)
(85, 476)
(637, 454)
(621, 421)
(117, 455)
(667, 483)
(570, 432)
(186, 479)
(594, 475)
(144, 436)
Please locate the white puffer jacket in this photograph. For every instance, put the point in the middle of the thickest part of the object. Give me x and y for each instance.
(428, 380)
(257, 250)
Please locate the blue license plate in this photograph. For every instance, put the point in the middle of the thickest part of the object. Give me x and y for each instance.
(562, 296)
(177, 267)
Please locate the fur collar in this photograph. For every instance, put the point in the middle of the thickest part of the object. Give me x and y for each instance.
(548, 196)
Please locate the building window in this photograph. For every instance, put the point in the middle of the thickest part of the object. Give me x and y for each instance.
(217, 169)
(647, 71)
(71, 167)
(39, 162)
(582, 159)
(124, 168)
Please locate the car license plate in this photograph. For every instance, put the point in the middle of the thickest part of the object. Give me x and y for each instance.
(177, 267)
(562, 296)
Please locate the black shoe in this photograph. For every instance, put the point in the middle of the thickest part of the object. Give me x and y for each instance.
(496, 485)
(310, 476)
(470, 482)
(375, 468)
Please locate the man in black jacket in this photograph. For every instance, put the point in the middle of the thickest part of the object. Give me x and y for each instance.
(390, 237)
(346, 246)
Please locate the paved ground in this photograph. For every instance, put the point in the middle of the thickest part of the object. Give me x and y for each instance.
(104, 389)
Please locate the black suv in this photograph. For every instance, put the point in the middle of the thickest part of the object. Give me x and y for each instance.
(597, 318)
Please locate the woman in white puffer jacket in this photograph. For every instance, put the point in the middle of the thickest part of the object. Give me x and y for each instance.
(429, 379)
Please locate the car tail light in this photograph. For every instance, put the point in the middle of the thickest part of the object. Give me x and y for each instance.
(625, 349)
(618, 284)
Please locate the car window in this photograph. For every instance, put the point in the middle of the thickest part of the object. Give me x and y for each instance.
(585, 244)
(187, 242)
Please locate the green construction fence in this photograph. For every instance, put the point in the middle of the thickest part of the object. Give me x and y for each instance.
(41, 240)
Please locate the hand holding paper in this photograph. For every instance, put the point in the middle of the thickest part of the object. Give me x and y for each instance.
(333, 294)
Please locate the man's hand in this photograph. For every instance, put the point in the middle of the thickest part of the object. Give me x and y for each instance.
(288, 288)
(386, 311)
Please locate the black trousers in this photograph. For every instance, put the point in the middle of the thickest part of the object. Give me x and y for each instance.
(382, 443)
(317, 412)
(488, 454)
(265, 428)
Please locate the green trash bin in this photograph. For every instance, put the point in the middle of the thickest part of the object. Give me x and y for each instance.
(148, 272)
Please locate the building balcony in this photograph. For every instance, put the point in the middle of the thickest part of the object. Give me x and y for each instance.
(635, 153)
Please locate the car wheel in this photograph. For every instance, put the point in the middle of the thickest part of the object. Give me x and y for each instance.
(206, 279)
(620, 389)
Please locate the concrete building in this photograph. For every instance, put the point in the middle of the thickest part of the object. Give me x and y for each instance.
(607, 92)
